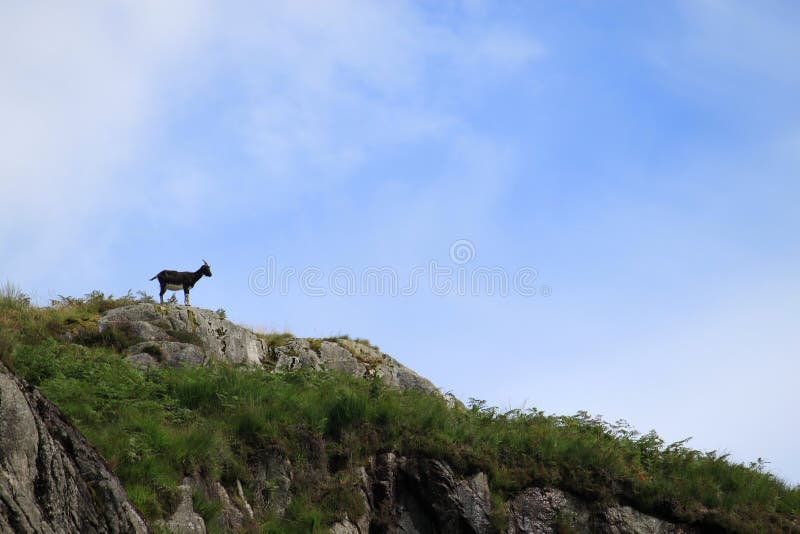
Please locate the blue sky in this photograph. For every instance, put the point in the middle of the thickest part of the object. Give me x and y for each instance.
(643, 158)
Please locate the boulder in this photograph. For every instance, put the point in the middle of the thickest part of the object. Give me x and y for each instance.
(296, 354)
(219, 338)
(335, 357)
(142, 361)
(625, 520)
(185, 520)
(423, 495)
(354, 358)
(545, 510)
(550, 510)
(169, 353)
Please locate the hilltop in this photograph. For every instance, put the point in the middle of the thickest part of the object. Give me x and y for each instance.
(172, 418)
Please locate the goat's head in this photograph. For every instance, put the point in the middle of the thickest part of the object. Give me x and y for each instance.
(205, 269)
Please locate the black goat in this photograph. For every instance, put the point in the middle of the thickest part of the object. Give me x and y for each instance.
(175, 280)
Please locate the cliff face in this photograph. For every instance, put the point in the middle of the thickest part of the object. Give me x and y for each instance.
(421, 496)
(51, 479)
(412, 495)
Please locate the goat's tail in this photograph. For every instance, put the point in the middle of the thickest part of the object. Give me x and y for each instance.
(156, 276)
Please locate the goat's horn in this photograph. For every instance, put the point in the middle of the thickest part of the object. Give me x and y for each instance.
(205, 262)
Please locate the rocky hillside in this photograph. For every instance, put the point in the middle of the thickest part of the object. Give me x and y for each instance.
(212, 427)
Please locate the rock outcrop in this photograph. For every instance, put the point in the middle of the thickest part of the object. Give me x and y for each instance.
(183, 335)
(185, 520)
(355, 358)
(421, 496)
(164, 323)
(409, 495)
(51, 479)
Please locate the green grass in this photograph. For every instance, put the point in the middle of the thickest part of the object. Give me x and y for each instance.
(155, 427)
(12, 296)
(275, 339)
(66, 319)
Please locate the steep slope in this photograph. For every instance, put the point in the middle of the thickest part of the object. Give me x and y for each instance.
(51, 479)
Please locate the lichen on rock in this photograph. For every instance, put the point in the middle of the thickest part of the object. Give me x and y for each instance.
(51, 479)
(176, 329)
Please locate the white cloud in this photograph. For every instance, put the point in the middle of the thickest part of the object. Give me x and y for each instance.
(87, 87)
(333, 84)
(81, 87)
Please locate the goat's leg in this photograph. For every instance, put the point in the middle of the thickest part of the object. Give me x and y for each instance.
(161, 295)
(186, 297)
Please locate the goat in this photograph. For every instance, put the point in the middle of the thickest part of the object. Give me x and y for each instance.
(175, 280)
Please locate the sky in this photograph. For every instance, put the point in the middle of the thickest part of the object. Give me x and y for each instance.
(563, 205)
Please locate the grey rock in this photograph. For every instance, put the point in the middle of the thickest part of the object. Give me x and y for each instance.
(541, 510)
(247, 510)
(381, 483)
(296, 354)
(144, 312)
(173, 353)
(626, 520)
(458, 506)
(550, 510)
(185, 520)
(141, 325)
(233, 515)
(350, 357)
(271, 482)
(387, 368)
(474, 502)
(363, 522)
(147, 331)
(219, 339)
(421, 495)
(51, 479)
(345, 527)
(335, 357)
(142, 361)
(417, 495)
(230, 517)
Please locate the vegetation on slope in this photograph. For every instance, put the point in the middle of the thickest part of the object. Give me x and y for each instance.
(153, 427)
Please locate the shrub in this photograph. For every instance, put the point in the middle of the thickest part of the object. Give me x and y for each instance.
(115, 337)
(347, 409)
(9, 338)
